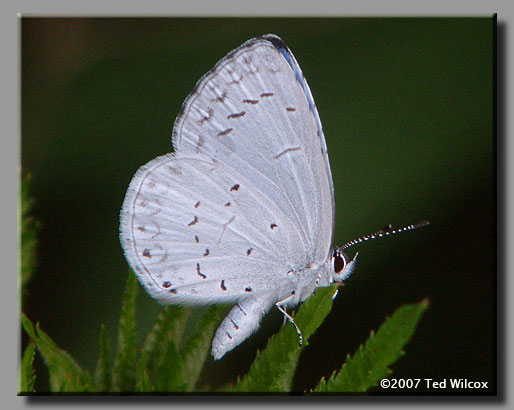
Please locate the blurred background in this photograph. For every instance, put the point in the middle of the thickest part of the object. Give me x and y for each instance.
(407, 110)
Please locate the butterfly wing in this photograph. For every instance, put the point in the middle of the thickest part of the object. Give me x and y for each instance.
(246, 198)
(254, 114)
(195, 233)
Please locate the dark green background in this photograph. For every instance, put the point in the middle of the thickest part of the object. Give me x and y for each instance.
(407, 109)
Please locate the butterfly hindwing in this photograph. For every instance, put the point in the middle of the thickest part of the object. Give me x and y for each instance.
(197, 234)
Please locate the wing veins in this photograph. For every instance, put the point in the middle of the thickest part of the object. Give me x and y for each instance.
(205, 201)
(242, 214)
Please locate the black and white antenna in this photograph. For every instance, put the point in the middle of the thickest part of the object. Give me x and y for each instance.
(386, 231)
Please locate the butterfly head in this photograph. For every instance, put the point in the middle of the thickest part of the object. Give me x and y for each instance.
(342, 265)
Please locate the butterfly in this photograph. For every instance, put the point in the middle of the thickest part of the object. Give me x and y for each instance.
(243, 210)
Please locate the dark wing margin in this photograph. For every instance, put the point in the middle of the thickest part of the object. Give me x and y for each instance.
(282, 48)
(286, 53)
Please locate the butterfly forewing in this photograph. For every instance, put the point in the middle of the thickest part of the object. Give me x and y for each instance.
(253, 113)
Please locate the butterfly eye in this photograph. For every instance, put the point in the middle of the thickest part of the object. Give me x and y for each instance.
(339, 262)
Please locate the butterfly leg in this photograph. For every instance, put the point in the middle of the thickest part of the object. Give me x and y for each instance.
(318, 278)
(287, 316)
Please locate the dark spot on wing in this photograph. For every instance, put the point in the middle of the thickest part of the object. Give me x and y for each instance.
(206, 252)
(221, 98)
(286, 151)
(196, 239)
(141, 228)
(267, 95)
(224, 132)
(228, 204)
(290, 109)
(146, 253)
(197, 204)
(228, 334)
(234, 323)
(235, 81)
(166, 284)
(235, 187)
(273, 226)
(248, 289)
(236, 115)
(251, 68)
(174, 291)
(249, 251)
(199, 143)
(210, 113)
(222, 285)
(240, 308)
(248, 101)
(193, 222)
(198, 271)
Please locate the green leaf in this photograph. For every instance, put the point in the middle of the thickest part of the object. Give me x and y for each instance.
(169, 370)
(65, 374)
(197, 347)
(27, 233)
(27, 373)
(125, 361)
(371, 363)
(143, 383)
(169, 328)
(173, 355)
(274, 367)
(103, 374)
